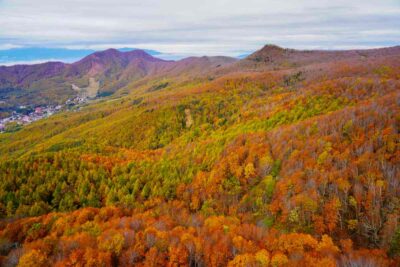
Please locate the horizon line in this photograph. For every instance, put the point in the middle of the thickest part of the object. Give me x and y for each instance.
(156, 53)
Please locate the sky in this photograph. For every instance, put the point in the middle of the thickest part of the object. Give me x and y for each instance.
(180, 28)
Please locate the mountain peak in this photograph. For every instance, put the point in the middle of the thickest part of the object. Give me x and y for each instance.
(267, 53)
(272, 47)
(112, 56)
(111, 52)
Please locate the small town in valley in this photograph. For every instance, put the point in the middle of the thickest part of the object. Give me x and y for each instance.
(25, 115)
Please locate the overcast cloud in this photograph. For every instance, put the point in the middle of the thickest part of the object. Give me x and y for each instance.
(200, 27)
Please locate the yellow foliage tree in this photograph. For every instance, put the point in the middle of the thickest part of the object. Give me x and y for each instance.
(33, 258)
(112, 242)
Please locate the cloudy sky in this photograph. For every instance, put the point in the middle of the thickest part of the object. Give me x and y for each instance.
(180, 28)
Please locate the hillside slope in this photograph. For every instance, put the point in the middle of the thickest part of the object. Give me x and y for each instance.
(290, 166)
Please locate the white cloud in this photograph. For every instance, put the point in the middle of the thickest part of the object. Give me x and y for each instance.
(200, 27)
(9, 46)
(30, 62)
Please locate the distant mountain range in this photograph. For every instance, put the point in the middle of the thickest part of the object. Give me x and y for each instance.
(34, 54)
(112, 69)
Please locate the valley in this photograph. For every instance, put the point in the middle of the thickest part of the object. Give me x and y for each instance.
(23, 115)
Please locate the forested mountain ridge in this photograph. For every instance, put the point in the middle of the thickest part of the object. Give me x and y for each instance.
(290, 161)
(275, 56)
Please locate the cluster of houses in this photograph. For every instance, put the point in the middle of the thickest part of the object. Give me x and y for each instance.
(75, 101)
(26, 118)
(22, 117)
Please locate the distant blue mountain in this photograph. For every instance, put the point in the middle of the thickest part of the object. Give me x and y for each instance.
(32, 54)
(243, 56)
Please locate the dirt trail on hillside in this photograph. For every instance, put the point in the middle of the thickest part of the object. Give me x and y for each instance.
(189, 119)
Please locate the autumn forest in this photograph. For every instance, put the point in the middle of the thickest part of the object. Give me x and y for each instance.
(284, 158)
